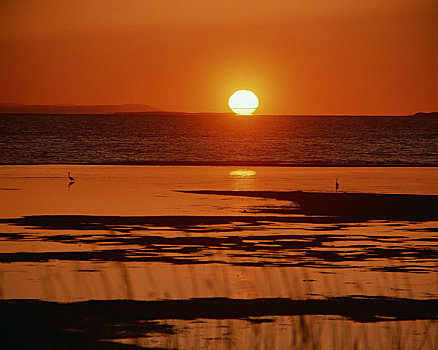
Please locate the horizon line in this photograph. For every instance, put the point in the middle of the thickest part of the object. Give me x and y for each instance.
(160, 111)
(168, 113)
(231, 163)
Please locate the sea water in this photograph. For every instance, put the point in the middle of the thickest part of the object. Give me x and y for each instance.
(213, 139)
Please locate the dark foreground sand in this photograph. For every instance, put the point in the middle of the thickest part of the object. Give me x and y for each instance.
(89, 325)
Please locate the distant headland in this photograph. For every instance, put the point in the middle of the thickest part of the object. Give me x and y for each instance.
(142, 109)
(423, 114)
(16, 108)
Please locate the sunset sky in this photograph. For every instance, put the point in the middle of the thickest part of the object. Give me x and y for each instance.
(298, 56)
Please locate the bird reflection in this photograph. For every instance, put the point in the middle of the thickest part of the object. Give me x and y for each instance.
(69, 185)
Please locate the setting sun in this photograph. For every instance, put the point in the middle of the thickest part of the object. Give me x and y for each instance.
(243, 102)
(168, 165)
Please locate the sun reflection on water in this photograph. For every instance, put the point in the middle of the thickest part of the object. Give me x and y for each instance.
(243, 179)
(243, 172)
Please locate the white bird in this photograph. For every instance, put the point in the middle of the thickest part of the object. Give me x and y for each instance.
(70, 178)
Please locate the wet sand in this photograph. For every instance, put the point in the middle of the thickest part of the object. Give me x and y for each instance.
(161, 257)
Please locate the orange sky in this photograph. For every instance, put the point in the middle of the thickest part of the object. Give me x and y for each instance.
(299, 56)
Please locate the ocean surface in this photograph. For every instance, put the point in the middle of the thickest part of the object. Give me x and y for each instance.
(214, 139)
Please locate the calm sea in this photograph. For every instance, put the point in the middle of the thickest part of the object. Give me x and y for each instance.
(115, 139)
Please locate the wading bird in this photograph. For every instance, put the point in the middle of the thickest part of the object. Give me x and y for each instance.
(72, 179)
(337, 185)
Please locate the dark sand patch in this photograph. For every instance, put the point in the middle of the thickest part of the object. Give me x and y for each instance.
(131, 239)
(29, 322)
(358, 206)
(91, 222)
(292, 254)
(358, 308)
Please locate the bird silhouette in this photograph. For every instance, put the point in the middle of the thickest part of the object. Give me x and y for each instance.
(72, 179)
(337, 185)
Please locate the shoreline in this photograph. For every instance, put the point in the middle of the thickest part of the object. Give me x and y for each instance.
(235, 163)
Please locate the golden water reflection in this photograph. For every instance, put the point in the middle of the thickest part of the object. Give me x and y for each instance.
(243, 172)
(243, 179)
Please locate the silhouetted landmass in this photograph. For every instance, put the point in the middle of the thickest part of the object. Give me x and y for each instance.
(142, 109)
(171, 113)
(74, 109)
(353, 206)
(32, 324)
(182, 222)
(426, 114)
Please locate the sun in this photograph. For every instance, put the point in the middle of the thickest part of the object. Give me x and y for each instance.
(243, 102)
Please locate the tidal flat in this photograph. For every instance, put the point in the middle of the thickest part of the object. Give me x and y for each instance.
(200, 257)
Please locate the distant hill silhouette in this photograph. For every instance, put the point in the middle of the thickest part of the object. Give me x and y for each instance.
(423, 114)
(74, 109)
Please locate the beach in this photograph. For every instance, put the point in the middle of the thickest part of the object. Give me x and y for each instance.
(205, 256)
